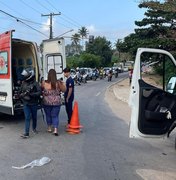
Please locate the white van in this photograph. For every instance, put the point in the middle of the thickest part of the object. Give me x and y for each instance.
(152, 100)
(17, 54)
(54, 56)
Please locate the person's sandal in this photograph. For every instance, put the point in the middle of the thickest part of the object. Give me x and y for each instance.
(49, 130)
(56, 134)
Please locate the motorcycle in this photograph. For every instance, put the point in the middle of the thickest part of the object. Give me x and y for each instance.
(101, 75)
(94, 75)
(84, 78)
(116, 73)
(110, 75)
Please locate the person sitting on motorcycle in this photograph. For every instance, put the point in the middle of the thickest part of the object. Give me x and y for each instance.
(110, 75)
(116, 72)
(101, 73)
(78, 76)
(95, 74)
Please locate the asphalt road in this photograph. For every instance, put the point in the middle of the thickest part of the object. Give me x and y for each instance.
(102, 151)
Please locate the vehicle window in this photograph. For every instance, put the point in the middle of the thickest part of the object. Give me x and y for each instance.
(157, 69)
(3, 63)
(55, 62)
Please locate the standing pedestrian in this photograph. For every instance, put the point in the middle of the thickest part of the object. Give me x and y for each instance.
(69, 94)
(30, 94)
(52, 100)
(130, 75)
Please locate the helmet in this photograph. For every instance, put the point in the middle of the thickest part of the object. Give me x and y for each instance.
(28, 74)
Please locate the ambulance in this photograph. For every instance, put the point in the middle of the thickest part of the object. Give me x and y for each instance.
(152, 94)
(17, 54)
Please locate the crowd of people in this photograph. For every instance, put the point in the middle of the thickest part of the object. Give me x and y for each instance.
(80, 75)
(48, 95)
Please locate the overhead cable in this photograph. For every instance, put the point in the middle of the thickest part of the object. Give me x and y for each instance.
(18, 20)
(71, 21)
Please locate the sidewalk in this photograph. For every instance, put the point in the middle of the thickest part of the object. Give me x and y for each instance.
(122, 90)
(117, 96)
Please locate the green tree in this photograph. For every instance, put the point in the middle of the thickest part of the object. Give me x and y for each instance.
(83, 60)
(75, 40)
(101, 47)
(73, 61)
(83, 32)
(72, 49)
(156, 30)
(90, 60)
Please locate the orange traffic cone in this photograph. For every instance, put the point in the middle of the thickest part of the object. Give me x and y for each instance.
(74, 126)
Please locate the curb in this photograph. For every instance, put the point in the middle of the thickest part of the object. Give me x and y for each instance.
(115, 93)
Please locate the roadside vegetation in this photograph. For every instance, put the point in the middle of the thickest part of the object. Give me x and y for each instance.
(156, 30)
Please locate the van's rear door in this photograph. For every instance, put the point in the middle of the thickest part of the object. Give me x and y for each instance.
(54, 56)
(6, 102)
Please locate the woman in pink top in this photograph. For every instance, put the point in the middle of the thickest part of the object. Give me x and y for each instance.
(52, 100)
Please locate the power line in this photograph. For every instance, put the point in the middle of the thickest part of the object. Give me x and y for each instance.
(33, 22)
(18, 20)
(10, 8)
(73, 21)
(22, 15)
(41, 13)
(43, 6)
(30, 6)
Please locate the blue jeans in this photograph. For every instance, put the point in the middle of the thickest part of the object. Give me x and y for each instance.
(52, 115)
(69, 109)
(30, 111)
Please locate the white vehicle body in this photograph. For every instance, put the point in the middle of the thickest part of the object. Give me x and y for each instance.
(153, 109)
(15, 55)
(54, 56)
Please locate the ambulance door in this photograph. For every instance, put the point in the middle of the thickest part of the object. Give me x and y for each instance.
(153, 106)
(6, 102)
(54, 57)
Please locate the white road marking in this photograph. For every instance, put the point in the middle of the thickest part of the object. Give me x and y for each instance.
(98, 94)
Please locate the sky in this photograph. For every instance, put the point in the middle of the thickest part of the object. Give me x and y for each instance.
(112, 19)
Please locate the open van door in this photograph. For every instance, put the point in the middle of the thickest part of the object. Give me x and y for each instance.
(6, 103)
(54, 56)
(153, 104)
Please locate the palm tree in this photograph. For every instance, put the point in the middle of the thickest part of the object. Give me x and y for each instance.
(75, 39)
(83, 33)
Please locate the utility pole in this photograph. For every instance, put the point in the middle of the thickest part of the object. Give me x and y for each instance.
(51, 26)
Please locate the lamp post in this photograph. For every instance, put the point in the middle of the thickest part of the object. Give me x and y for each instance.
(64, 33)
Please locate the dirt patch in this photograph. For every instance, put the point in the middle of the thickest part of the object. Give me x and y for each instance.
(154, 80)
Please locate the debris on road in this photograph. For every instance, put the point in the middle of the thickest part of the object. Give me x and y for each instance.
(37, 162)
